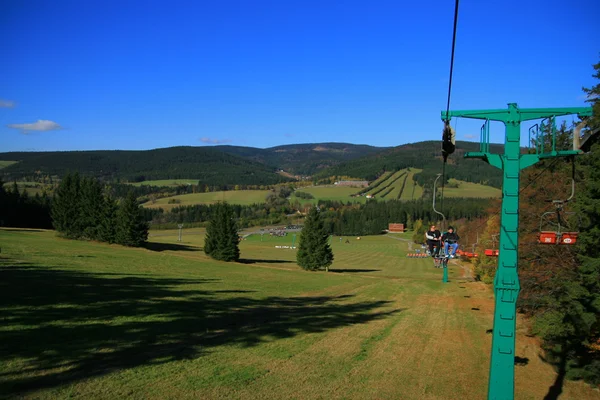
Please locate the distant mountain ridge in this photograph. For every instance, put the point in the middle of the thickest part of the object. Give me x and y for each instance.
(224, 164)
(306, 158)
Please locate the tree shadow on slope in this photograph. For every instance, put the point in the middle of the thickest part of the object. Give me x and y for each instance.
(154, 246)
(71, 325)
(263, 261)
(350, 270)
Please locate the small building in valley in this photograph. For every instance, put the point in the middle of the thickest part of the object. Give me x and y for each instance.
(394, 227)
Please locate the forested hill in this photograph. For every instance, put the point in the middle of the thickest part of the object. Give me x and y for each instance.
(425, 155)
(306, 158)
(232, 165)
(206, 164)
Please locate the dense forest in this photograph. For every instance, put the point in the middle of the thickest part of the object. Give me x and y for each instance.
(227, 166)
(205, 164)
(306, 158)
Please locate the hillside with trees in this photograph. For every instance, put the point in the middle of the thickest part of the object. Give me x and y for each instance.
(206, 164)
(425, 156)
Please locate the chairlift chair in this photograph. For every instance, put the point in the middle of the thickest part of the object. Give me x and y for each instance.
(559, 226)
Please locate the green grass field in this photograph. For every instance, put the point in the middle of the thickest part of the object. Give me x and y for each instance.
(87, 320)
(167, 182)
(468, 189)
(330, 192)
(31, 187)
(243, 197)
(414, 191)
(4, 164)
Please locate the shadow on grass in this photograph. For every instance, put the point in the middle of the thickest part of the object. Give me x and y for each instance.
(59, 319)
(259, 261)
(349, 270)
(153, 246)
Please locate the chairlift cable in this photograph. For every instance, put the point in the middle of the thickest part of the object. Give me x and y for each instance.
(447, 135)
(452, 59)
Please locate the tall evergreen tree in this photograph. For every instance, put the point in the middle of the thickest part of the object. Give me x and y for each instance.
(221, 241)
(131, 228)
(314, 251)
(92, 208)
(66, 207)
(107, 228)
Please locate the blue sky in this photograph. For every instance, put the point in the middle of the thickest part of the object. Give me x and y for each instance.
(84, 75)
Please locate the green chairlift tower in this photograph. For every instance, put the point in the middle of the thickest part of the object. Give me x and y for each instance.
(506, 282)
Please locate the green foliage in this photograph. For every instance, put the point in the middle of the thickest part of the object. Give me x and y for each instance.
(221, 241)
(211, 166)
(107, 228)
(419, 229)
(593, 95)
(81, 211)
(314, 252)
(66, 207)
(132, 228)
(303, 195)
(91, 210)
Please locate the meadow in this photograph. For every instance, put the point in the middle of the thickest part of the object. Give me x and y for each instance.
(96, 321)
(243, 197)
(469, 189)
(4, 164)
(166, 182)
(31, 187)
(329, 192)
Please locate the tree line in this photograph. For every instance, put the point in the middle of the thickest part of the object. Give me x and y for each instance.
(211, 166)
(82, 210)
(20, 210)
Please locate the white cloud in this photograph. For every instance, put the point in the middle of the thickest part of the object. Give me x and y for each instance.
(470, 136)
(214, 141)
(41, 125)
(7, 103)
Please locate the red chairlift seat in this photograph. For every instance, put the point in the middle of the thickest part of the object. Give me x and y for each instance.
(548, 237)
(566, 238)
(569, 238)
(492, 252)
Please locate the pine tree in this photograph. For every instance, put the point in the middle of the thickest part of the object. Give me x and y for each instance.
(221, 241)
(92, 208)
(314, 251)
(131, 228)
(66, 207)
(107, 229)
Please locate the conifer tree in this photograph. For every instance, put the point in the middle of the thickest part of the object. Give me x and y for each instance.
(221, 241)
(92, 208)
(66, 207)
(314, 251)
(131, 228)
(107, 229)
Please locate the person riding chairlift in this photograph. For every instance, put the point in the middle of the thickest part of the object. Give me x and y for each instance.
(450, 239)
(433, 237)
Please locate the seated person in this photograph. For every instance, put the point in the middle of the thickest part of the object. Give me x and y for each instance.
(433, 240)
(450, 239)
